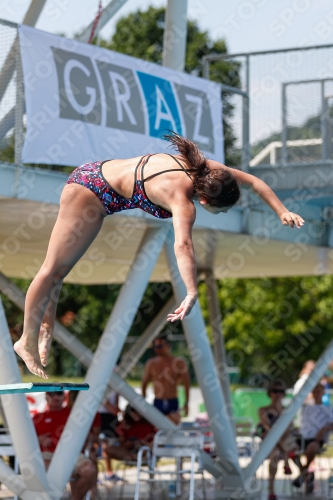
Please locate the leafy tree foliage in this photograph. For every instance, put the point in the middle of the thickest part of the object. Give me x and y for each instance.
(7, 151)
(272, 326)
(140, 34)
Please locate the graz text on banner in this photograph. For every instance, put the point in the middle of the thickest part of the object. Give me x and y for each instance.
(85, 103)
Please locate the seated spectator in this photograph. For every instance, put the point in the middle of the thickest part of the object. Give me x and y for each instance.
(49, 426)
(134, 431)
(306, 371)
(317, 422)
(92, 442)
(268, 416)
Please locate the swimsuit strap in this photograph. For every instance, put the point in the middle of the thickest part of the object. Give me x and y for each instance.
(181, 166)
(143, 160)
(163, 171)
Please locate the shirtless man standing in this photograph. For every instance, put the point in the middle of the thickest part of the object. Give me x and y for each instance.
(166, 372)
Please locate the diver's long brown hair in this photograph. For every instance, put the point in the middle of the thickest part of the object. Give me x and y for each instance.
(218, 187)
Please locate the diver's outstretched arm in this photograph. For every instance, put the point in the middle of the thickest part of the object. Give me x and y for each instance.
(265, 193)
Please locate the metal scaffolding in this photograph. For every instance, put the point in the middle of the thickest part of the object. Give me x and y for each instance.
(102, 372)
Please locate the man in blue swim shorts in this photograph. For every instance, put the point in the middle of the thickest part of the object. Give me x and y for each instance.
(166, 372)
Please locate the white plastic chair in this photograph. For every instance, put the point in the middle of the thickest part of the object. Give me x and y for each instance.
(247, 445)
(245, 431)
(175, 444)
(7, 449)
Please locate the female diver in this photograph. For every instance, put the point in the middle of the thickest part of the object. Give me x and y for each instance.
(164, 186)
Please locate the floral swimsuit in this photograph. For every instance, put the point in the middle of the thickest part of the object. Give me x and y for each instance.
(91, 176)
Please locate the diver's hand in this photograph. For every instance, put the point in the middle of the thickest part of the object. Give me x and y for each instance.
(291, 219)
(184, 309)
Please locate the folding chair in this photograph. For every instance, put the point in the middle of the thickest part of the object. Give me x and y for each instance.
(247, 444)
(324, 478)
(7, 449)
(209, 441)
(175, 444)
(245, 431)
(124, 466)
(323, 481)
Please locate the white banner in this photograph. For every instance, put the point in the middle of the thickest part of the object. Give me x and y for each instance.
(85, 103)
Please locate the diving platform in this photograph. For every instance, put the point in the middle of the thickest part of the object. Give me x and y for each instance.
(247, 242)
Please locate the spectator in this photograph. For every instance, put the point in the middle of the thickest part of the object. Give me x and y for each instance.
(92, 441)
(49, 426)
(303, 376)
(134, 431)
(325, 383)
(268, 416)
(166, 372)
(317, 421)
(109, 420)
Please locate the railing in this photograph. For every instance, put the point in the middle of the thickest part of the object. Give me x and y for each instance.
(11, 90)
(289, 117)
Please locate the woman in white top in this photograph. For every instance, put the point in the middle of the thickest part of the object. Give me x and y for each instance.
(317, 422)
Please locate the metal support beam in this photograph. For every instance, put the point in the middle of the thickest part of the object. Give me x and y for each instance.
(8, 67)
(30, 19)
(323, 122)
(33, 13)
(205, 68)
(246, 152)
(7, 122)
(19, 108)
(108, 12)
(219, 57)
(233, 90)
(289, 413)
(175, 32)
(105, 358)
(17, 415)
(155, 417)
(207, 377)
(16, 485)
(13, 482)
(329, 130)
(85, 356)
(151, 332)
(60, 334)
(215, 320)
(284, 136)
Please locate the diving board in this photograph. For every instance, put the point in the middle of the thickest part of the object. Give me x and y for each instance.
(41, 387)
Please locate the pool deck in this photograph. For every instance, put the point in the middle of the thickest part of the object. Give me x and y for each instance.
(283, 484)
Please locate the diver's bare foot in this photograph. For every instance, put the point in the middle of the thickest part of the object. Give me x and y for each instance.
(31, 359)
(44, 343)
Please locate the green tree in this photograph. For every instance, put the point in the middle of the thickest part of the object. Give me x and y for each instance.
(7, 151)
(140, 35)
(272, 326)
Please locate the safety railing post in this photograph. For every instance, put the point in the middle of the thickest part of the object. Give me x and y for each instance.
(19, 107)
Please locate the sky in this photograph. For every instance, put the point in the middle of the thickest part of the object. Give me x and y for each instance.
(247, 25)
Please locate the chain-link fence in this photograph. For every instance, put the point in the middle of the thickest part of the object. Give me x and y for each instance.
(290, 105)
(8, 44)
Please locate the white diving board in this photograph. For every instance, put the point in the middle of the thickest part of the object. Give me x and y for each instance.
(41, 387)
